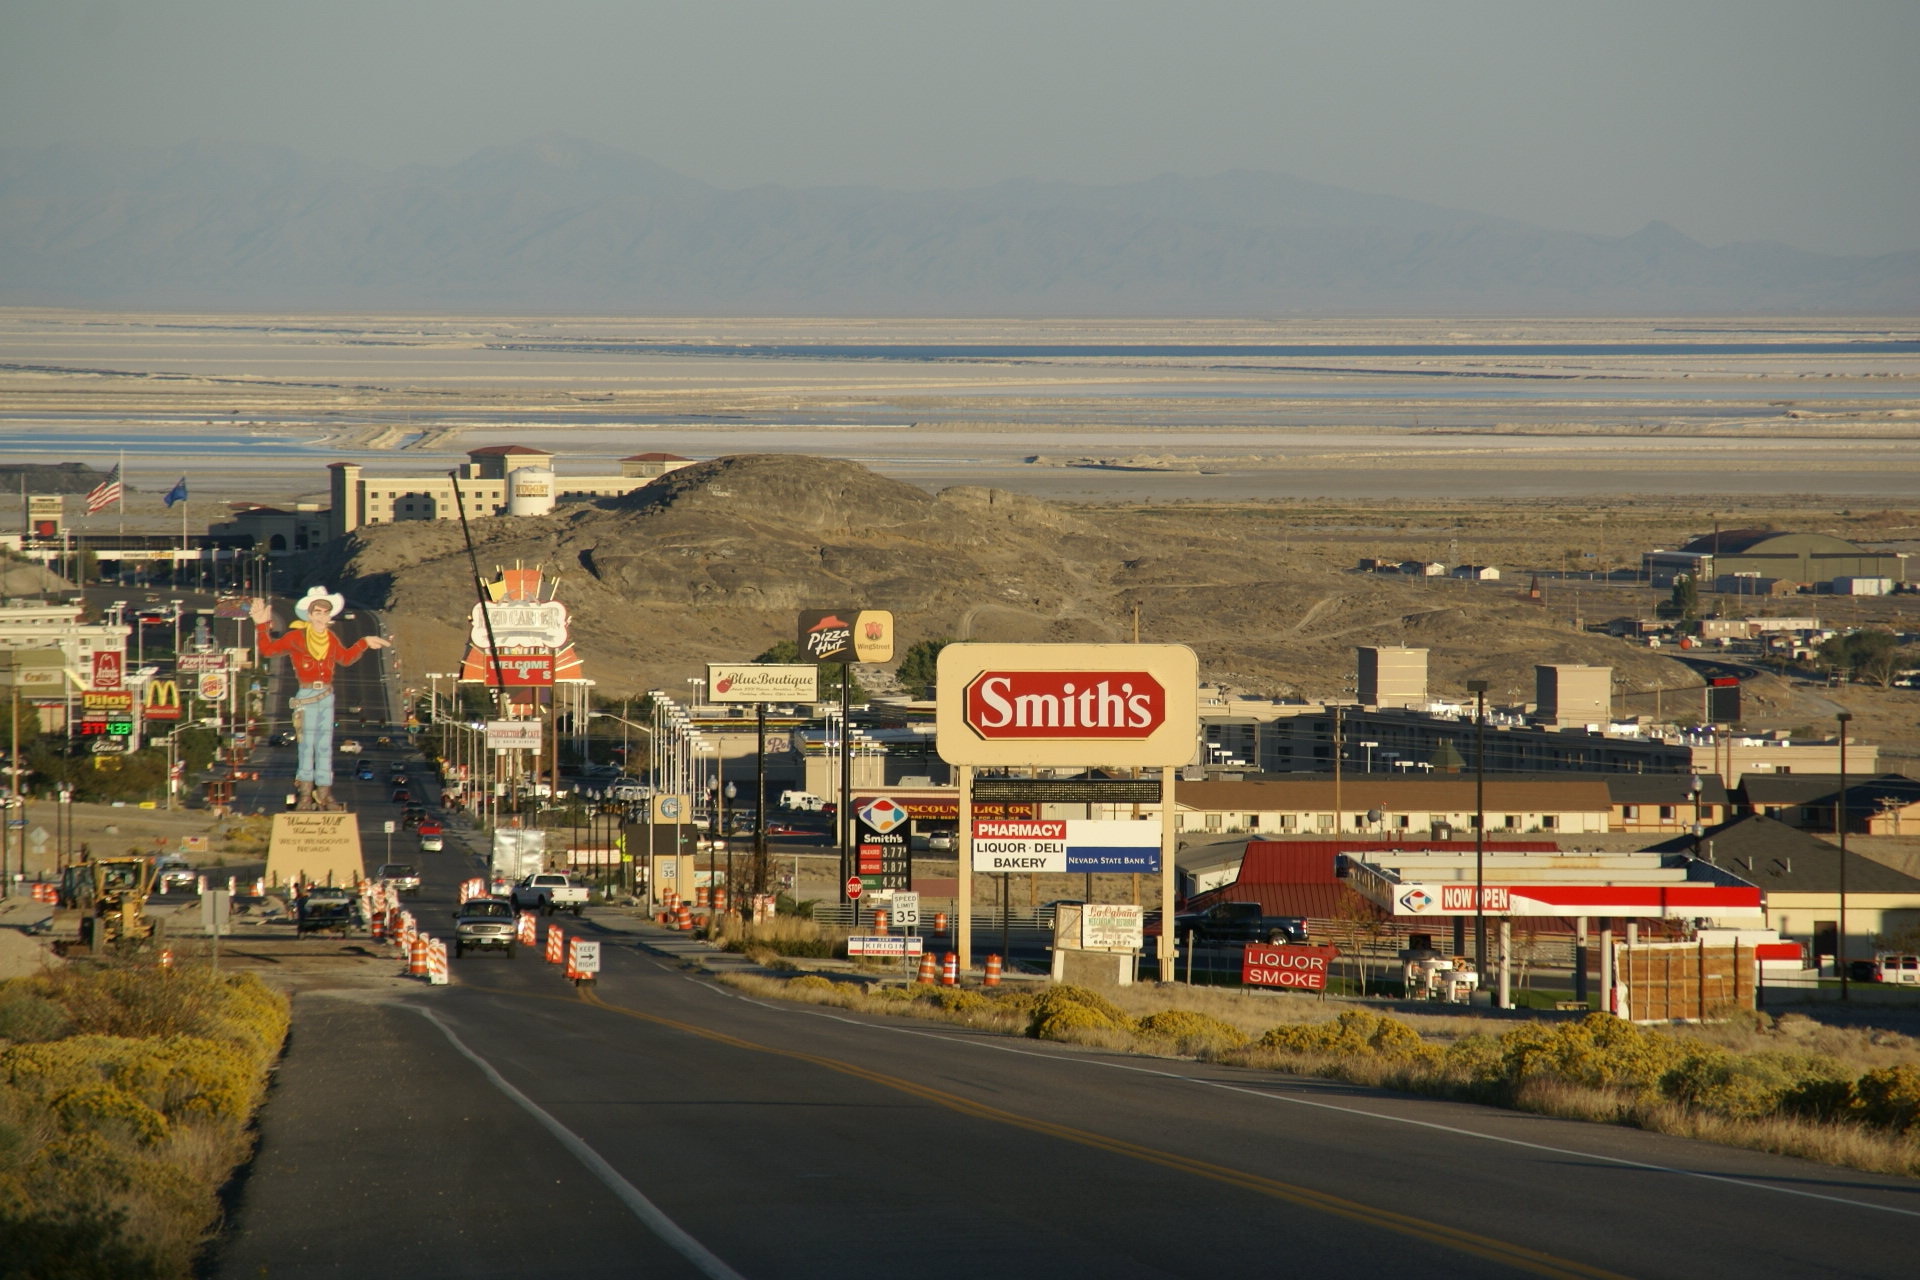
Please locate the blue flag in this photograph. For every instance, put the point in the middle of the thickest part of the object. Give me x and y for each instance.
(178, 493)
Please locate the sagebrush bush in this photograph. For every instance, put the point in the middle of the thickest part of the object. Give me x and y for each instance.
(1066, 1008)
(1190, 1032)
(128, 1123)
(1358, 1033)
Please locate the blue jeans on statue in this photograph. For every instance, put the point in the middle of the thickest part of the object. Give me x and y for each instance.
(312, 709)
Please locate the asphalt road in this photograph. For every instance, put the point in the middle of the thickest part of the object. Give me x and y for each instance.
(675, 1116)
(662, 1124)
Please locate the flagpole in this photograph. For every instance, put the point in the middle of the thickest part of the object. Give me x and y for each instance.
(122, 468)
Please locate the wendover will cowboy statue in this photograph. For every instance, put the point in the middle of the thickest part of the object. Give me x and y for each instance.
(314, 651)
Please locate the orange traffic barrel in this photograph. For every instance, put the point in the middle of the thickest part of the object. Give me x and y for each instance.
(950, 970)
(939, 924)
(928, 969)
(880, 924)
(379, 925)
(556, 944)
(682, 918)
(417, 956)
(993, 971)
(720, 899)
(700, 895)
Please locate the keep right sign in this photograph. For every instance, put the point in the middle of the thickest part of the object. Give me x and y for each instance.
(1301, 968)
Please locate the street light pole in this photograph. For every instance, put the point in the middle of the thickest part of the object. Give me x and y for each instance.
(1478, 688)
(1840, 821)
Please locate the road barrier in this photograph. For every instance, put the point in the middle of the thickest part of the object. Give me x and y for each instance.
(46, 893)
(700, 895)
(682, 918)
(527, 932)
(437, 962)
(879, 924)
(556, 941)
(379, 924)
(417, 956)
(950, 970)
(720, 898)
(939, 924)
(993, 971)
(929, 969)
(471, 889)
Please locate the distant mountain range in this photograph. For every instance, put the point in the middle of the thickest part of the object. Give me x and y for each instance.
(558, 224)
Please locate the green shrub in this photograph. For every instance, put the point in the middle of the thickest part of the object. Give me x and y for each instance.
(1192, 1033)
(1746, 1086)
(1357, 1033)
(811, 982)
(1475, 1057)
(1889, 1098)
(1067, 1008)
(1598, 1051)
(957, 999)
(28, 1016)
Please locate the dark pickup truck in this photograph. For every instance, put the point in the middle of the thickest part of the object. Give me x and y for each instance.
(1240, 922)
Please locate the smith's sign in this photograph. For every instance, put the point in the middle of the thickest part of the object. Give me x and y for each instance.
(1092, 705)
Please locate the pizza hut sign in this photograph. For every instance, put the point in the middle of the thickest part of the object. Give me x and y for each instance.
(1123, 705)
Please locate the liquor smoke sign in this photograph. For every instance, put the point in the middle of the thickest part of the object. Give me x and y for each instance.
(1068, 704)
(1302, 968)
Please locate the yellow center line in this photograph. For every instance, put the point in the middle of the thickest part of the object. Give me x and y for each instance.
(1512, 1255)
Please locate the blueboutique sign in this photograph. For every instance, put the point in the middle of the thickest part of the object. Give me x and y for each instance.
(1069, 844)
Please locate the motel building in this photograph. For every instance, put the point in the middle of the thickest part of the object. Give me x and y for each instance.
(1384, 806)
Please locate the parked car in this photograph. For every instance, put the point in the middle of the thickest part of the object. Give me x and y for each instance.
(547, 892)
(402, 875)
(324, 909)
(1240, 922)
(1894, 966)
(431, 838)
(941, 842)
(483, 924)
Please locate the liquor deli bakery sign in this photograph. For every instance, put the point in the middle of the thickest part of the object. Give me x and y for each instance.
(1068, 704)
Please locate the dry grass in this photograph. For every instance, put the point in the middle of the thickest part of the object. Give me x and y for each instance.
(1755, 1083)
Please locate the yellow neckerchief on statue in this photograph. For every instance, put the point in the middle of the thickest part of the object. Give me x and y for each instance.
(319, 643)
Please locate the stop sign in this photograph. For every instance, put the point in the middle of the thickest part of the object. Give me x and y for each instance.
(853, 886)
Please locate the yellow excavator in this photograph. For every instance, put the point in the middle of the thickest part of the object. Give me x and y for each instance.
(113, 893)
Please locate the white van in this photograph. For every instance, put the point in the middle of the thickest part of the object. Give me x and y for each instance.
(802, 800)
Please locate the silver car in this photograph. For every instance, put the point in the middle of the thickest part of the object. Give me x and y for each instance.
(484, 924)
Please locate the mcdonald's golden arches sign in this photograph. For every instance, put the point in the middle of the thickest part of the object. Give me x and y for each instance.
(162, 700)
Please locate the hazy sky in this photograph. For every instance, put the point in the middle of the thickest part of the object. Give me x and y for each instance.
(1734, 121)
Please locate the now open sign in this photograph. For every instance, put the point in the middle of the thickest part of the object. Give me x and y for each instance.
(1301, 968)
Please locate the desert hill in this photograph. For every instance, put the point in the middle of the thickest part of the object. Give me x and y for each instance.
(712, 562)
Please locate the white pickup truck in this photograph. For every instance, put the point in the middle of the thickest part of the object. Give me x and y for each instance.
(547, 892)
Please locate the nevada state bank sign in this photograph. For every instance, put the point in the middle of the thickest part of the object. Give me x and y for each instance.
(1068, 704)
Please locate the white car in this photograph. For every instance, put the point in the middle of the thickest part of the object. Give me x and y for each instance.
(351, 747)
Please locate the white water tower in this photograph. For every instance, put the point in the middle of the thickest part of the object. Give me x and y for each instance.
(530, 491)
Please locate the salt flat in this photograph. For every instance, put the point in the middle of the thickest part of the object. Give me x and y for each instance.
(255, 406)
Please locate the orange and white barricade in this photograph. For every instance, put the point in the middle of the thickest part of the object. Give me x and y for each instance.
(583, 959)
(950, 970)
(408, 930)
(682, 918)
(437, 962)
(378, 921)
(879, 924)
(939, 924)
(929, 969)
(556, 942)
(46, 893)
(417, 956)
(471, 889)
(993, 971)
(527, 932)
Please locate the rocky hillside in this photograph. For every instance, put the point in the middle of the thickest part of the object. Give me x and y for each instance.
(712, 562)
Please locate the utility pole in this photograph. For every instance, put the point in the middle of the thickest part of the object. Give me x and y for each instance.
(1478, 688)
(1840, 821)
(1339, 818)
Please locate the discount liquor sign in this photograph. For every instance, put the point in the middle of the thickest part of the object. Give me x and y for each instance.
(1067, 704)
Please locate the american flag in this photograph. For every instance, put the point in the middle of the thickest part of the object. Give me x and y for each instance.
(106, 493)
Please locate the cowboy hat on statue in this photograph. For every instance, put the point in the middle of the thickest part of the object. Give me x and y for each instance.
(315, 651)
